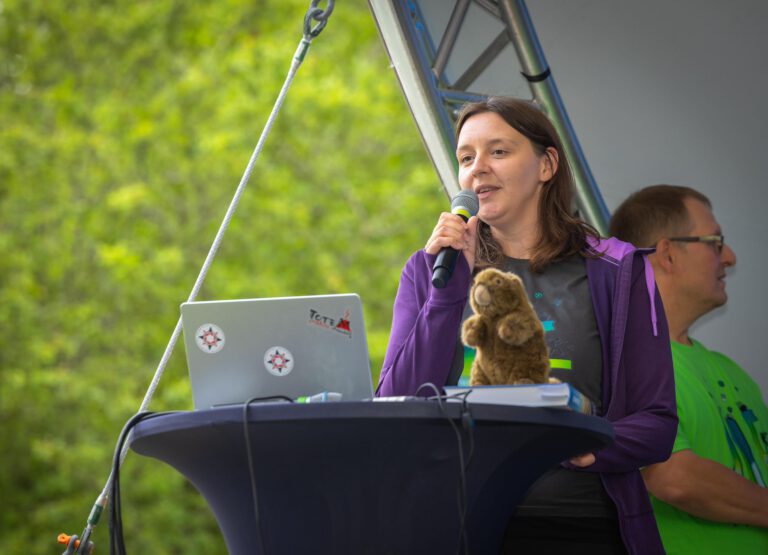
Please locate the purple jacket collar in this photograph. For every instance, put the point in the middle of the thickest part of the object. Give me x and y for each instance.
(614, 250)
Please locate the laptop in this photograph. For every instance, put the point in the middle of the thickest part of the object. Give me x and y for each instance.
(289, 346)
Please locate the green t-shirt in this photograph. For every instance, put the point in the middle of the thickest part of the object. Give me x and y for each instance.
(722, 418)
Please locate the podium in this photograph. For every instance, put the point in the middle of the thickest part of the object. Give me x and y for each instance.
(365, 477)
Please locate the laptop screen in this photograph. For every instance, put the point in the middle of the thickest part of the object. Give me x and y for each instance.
(291, 346)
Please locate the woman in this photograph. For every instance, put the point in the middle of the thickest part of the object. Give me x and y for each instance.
(608, 334)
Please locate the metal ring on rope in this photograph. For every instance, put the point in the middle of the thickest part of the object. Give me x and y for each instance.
(318, 14)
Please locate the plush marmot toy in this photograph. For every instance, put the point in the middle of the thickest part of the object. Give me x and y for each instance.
(506, 332)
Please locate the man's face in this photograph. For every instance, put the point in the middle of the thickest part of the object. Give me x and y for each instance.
(700, 269)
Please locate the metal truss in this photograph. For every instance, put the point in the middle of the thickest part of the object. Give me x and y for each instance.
(482, 47)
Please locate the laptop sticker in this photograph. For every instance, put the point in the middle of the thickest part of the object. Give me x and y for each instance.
(278, 361)
(340, 325)
(210, 338)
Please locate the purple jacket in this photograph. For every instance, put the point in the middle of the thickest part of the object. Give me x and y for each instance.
(638, 383)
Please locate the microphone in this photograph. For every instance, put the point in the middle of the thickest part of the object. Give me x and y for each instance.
(466, 205)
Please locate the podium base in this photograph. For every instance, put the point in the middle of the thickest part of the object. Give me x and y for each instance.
(362, 477)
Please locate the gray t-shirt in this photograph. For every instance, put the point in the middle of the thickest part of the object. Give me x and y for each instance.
(561, 298)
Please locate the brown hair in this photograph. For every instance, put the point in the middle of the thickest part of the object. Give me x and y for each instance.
(653, 213)
(560, 233)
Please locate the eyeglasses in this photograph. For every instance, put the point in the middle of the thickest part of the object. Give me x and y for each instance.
(717, 240)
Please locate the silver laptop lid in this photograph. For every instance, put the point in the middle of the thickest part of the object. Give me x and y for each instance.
(292, 346)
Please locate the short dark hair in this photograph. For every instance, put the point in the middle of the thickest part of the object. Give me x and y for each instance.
(652, 213)
(561, 233)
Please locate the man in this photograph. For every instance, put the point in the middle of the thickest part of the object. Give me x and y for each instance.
(710, 496)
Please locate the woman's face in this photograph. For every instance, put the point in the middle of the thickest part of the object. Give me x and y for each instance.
(502, 167)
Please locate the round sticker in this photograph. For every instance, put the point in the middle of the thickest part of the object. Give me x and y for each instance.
(278, 361)
(210, 338)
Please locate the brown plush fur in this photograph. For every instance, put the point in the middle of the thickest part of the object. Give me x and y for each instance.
(506, 332)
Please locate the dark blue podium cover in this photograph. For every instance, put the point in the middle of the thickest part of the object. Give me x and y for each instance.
(365, 477)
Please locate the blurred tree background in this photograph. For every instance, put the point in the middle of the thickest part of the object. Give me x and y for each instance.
(126, 127)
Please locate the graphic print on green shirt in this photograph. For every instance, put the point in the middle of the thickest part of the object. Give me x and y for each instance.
(722, 417)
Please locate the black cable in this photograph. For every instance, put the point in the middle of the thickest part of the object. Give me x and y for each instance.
(467, 423)
(116, 538)
(249, 456)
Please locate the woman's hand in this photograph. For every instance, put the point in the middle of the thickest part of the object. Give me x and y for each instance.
(452, 231)
(583, 461)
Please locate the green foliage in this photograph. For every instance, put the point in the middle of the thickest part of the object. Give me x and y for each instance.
(126, 127)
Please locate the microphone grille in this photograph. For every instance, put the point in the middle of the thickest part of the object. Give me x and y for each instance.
(466, 199)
